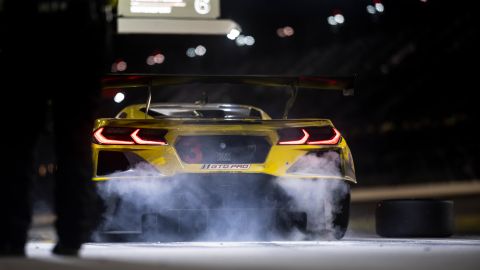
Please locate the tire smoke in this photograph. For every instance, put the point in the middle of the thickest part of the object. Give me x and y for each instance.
(146, 206)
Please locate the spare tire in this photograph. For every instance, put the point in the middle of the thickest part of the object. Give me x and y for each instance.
(414, 218)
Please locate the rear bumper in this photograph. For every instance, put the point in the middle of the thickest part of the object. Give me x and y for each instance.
(304, 161)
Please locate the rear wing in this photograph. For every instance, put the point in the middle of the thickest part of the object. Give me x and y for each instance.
(344, 84)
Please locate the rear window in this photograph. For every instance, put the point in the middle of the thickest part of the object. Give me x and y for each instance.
(215, 112)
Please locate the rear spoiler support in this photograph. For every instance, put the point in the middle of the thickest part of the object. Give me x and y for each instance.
(149, 99)
(291, 100)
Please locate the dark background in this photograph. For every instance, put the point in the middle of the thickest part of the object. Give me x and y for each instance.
(414, 116)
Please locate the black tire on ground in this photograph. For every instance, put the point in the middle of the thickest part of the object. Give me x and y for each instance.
(340, 218)
(414, 218)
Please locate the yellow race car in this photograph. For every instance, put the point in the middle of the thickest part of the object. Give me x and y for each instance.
(214, 171)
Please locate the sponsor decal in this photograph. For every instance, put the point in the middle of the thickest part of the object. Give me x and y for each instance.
(225, 167)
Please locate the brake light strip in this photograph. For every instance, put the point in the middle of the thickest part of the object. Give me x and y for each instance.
(101, 139)
(301, 141)
(333, 140)
(139, 140)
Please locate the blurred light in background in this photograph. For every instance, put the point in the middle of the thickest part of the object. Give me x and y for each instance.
(158, 58)
(336, 19)
(286, 31)
(202, 6)
(249, 40)
(339, 18)
(245, 40)
(331, 20)
(119, 97)
(200, 50)
(280, 32)
(150, 60)
(379, 7)
(240, 41)
(234, 33)
(42, 170)
(191, 52)
(50, 167)
(155, 58)
(119, 66)
(371, 9)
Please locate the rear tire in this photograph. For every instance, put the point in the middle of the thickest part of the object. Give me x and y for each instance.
(340, 221)
(339, 218)
(414, 218)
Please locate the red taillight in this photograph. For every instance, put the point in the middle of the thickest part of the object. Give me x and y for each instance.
(128, 136)
(333, 140)
(309, 135)
(104, 140)
(139, 140)
(300, 141)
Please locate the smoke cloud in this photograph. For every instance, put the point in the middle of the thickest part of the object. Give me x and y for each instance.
(223, 207)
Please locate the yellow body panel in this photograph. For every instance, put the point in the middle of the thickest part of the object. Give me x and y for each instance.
(167, 161)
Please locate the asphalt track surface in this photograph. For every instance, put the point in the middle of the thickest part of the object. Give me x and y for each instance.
(349, 253)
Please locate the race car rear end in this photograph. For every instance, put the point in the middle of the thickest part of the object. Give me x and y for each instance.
(211, 171)
(286, 148)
